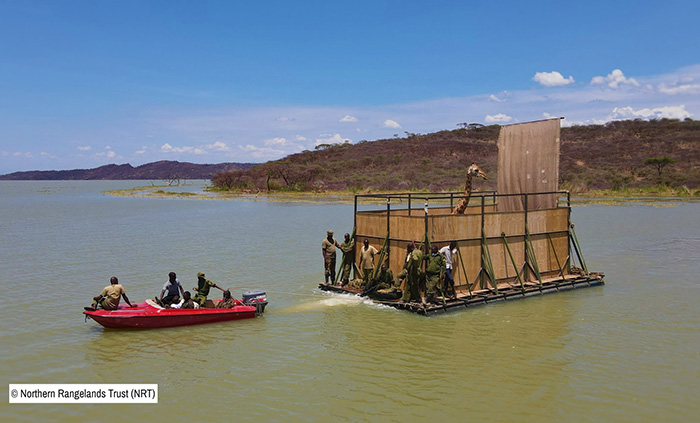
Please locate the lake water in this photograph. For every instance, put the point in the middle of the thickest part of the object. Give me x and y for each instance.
(625, 352)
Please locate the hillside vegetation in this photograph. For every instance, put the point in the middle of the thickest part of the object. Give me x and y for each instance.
(614, 156)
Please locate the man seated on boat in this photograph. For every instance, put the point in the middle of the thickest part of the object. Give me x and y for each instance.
(110, 296)
(227, 302)
(384, 286)
(173, 289)
(186, 302)
(203, 287)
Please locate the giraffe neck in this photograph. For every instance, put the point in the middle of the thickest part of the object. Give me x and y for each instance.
(468, 186)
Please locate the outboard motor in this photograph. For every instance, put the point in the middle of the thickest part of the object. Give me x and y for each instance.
(256, 298)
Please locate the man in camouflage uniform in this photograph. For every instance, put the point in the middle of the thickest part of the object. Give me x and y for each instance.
(385, 287)
(384, 280)
(347, 247)
(434, 272)
(412, 268)
(227, 302)
(328, 249)
(203, 287)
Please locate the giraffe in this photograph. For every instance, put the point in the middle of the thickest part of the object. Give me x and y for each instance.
(472, 170)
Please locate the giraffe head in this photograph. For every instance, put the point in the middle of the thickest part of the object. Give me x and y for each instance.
(475, 170)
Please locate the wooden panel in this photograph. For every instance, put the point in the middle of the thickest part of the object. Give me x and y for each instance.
(407, 228)
(471, 253)
(511, 223)
(447, 228)
(466, 229)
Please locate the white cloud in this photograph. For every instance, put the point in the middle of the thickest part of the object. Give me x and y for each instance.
(261, 152)
(391, 124)
(496, 99)
(167, 148)
(109, 154)
(670, 112)
(84, 148)
(680, 89)
(199, 150)
(285, 119)
(276, 141)
(348, 118)
(552, 79)
(217, 146)
(614, 80)
(498, 118)
(331, 139)
(300, 138)
(142, 150)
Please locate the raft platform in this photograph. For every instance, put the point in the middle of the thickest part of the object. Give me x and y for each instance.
(484, 296)
(513, 243)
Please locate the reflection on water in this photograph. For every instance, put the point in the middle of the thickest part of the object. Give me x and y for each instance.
(627, 351)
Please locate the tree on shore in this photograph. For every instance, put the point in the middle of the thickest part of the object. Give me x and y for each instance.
(659, 162)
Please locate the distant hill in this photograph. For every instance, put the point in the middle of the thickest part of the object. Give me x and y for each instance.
(593, 157)
(163, 169)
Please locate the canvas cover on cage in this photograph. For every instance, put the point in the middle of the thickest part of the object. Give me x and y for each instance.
(528, 162)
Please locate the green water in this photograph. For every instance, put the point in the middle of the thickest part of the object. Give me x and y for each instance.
(625, 352)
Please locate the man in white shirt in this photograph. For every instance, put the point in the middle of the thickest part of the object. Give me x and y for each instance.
(449, 251)
(173, 289)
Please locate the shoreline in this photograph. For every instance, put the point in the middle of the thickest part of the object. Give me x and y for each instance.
(203, 193)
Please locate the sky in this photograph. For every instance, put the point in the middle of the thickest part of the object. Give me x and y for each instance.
(89, 83)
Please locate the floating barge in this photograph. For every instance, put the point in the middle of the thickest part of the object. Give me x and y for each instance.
(512, 244)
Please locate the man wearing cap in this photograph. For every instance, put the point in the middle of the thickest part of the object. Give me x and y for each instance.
(203, 286)
(328, 249)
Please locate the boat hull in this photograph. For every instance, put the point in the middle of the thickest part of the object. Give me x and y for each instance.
(148, 317)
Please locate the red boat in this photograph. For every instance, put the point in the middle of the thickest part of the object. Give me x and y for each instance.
(150, 315)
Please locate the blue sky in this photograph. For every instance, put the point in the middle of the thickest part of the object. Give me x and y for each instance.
(87, 83)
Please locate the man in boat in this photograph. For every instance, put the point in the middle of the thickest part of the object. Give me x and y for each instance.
(347, 247)
(412, 267)
(186, 303)
(203, 287)
(173, 289)
(328, 249)
(227, 302)
(434, 273)
(449, 251)
(110, 295)
(367, 253)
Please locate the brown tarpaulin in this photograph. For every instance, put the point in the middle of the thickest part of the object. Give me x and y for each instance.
(528, 162)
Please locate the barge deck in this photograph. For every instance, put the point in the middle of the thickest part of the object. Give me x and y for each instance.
(506, 292)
